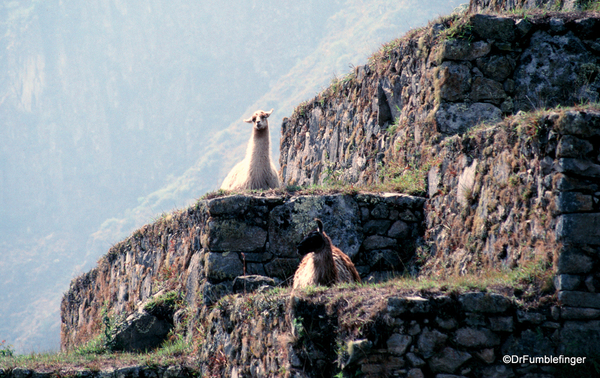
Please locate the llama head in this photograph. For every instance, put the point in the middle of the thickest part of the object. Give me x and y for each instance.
(259, 119)
(313, 241)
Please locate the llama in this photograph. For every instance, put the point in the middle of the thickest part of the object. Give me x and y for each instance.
(323, 263)
(257, 170)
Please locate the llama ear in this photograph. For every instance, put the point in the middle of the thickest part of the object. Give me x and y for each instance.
(249, 120)
(319, 225)
(269, 113)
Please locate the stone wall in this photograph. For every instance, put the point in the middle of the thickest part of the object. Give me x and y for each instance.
(524, 189)
(436, 82)
(201, 250)
(542, 5)
(383, 331)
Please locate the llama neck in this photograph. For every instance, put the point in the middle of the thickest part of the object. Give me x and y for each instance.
(259, 146)
(325, 268)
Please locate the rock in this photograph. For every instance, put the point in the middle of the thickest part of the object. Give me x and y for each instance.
(578, 313)
(571, 262)
(430, 341)
(550, 64)
(493, 27)
(357, 350)
(577, 167)
(572, 147)
(487, 90)
(498, 371)
(223, 235)
(448, 360)
(397, 343)
(502, 323)
(290, 222)
(140, 332)
(579, 299)
(578, 228)
(476, 338)
(415, 373)
(484, 302)
(496, 67)
(247, 284)
(379, 242)
(376, 226)
(580, 338)
(572, 202)
(399, 230)
(383, 260)
(453, 81)
(223, 266)
(486, 355)
(461, 49)
(529, 343)
(458, 118)
(530, 317)
(414, 360)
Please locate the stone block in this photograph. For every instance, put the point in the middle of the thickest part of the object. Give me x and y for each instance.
(496, 67)
(223, 235)
(529, 343)
(579, 167)
(397, 343)
(291, 221)
(488, 27)
(484, 302)
(579, 299)
(376, 226)
(580, 338)
(487, 355)
(578, 313)
(530, 317)
(574, 263)
(430, 341)
(250, 283)
(414, 360)
(379, 242)
(484, 89)
(573, 202)
(400, 305)
(383, 259)
(453, 118)
(579, 228)
(223, 266)
(461, 49)
(572, 147)
(502, 324)
(448, 360)
(582, 124)
(140, 332)
(399, 230)
(476, 338)
(453, 81)
(567, 281)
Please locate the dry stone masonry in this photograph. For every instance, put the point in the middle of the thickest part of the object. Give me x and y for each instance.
(379, 333)
(200, 252)
(437, 82)
(508, 185)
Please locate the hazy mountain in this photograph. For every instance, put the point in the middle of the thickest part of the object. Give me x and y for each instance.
(112, 112)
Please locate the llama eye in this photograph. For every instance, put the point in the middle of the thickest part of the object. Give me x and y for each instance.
(253, 119)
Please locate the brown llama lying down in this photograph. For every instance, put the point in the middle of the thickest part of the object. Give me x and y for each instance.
(257, 170)
(323, 263)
